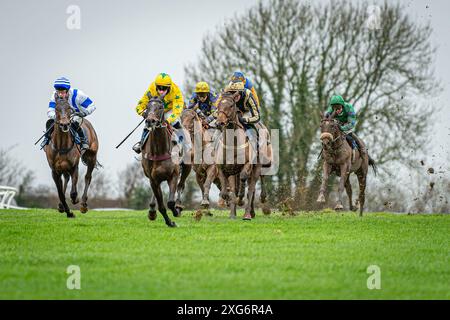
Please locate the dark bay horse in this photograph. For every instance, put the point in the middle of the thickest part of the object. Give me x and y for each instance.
(240, 167)
(63, 157)
(157, 161)
(206, 171)
(338, 154)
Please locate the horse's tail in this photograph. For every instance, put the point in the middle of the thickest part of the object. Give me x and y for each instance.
(373, 164)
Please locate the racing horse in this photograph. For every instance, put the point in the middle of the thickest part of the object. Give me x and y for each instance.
(158, 162)
(63, 156)
(340, 158)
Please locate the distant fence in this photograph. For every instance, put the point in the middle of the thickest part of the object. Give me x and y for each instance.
(6, 197)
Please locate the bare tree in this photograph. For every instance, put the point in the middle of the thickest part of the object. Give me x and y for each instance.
(299, 54)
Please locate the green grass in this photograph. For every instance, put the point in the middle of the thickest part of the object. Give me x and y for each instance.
(322, 255)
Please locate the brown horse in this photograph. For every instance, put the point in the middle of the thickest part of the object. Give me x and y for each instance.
(340, 158)
(206, 171)
(157, 161)
(248, 171)
(63, 156)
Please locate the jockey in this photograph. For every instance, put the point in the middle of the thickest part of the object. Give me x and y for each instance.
(239, 76)
(81, 104)
(346, 115)
(248, 106)
(204, 102)
(164, 88)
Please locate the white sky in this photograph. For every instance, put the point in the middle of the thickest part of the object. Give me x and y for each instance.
(115, 55)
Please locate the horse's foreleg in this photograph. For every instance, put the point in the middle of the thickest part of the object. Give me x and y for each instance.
(232, 195)
(62, 198)
(263, 197)
(152, 208)
(159, 198)
(240, 184)
(172, 182)
(87, 183)
(223, 184)
(73, 191)
(185, 170)
(66, 176)
(345, 168)
(348, 189)
(249, 209)
(210, 176)
(323, 187)
(362, 175)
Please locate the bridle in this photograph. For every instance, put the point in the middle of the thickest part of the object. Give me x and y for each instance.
(230, 120)
(331, 147)
(159, 121)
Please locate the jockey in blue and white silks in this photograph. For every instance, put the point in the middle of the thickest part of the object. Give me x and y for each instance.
(81, 104)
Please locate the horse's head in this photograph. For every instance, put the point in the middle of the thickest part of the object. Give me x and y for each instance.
(188, 119)
(63, 112)
(329, 130)
(155, 113)
(227, 110)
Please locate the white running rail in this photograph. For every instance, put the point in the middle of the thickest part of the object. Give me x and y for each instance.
(6, 196)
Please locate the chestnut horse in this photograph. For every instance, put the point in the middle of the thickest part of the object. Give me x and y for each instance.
(63, 156)
(227, 118)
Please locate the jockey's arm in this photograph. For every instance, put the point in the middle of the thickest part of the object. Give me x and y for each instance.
(142, 104)
(329, 111)
(84, 103)
(351, 119)
(177, 105)
(253, 108)
(51, 107)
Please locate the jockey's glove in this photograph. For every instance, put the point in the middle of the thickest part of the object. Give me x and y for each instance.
(241, 119)
(80, 114)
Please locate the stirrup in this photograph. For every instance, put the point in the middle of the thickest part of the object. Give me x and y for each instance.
(137, 147)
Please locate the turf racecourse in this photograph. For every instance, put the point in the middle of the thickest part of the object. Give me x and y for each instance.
(321, 255)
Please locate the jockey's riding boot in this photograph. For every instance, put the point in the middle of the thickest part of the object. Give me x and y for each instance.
(84, 145)
(48, 132)
(361, 145)
(138, 146)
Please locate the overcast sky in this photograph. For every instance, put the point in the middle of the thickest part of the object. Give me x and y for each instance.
(115, 55)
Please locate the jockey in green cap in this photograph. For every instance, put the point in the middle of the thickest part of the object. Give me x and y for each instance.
(346, 115)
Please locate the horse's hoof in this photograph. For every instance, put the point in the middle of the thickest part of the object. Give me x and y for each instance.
(205, 203)
(84, 209)
(152, 215)
(172, 224)
(171, 205)
(266, 210)
(221, 203)
(61, 208)
(233, 217)
(70, 215)
(225, 196)
(208, 213)
(321, 199)
(178, 211)
(339, 207)
(247, 217)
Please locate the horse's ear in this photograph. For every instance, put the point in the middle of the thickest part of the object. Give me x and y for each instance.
(321, 115)
(149, 95)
